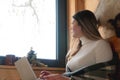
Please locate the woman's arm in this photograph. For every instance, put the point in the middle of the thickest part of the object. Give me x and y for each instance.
(46, 75)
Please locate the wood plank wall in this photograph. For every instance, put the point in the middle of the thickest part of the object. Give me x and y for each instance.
(73, 6)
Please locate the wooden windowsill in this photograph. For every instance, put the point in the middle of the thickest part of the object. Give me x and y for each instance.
(35, 68)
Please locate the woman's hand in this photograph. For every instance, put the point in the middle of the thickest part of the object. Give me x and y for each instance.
(46, 75)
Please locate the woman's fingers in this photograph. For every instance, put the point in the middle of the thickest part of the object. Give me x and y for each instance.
(44, 73)
(52, 77)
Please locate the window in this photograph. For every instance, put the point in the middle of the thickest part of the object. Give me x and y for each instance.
(40, 24)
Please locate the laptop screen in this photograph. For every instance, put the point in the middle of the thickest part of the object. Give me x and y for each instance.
(25, 70)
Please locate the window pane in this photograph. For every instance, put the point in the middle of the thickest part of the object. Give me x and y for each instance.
(28, 23)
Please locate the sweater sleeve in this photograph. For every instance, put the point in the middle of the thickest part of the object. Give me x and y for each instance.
(103, 51)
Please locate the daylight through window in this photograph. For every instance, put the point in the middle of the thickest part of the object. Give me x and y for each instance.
(28, 23)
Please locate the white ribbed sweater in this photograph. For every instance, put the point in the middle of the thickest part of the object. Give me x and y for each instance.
(91, 52)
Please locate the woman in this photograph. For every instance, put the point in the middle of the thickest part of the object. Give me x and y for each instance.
(91, 50)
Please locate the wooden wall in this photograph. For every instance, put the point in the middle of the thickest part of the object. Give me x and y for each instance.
(91, 4)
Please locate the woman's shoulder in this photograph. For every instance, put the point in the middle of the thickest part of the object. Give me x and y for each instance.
(102, 41)
(103, 51)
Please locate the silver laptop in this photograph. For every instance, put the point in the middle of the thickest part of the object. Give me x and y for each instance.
(25, 70)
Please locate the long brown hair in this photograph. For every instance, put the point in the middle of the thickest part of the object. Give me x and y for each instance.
(88, 22)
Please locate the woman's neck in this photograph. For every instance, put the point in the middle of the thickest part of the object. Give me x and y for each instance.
(85, 40)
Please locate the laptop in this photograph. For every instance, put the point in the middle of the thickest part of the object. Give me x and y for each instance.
(25, 70)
